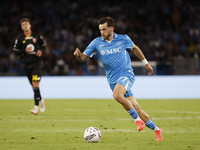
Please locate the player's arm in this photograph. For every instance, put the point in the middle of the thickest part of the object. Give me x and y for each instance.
(42, 45)
(137, 51)
(79, 56)
(17, 47)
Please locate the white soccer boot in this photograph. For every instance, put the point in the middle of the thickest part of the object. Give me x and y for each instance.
(34, 110)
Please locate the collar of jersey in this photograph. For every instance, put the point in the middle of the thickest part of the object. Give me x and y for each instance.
(115, 36)
(28, 35)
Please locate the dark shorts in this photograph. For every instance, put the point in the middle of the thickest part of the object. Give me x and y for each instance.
(33, 71)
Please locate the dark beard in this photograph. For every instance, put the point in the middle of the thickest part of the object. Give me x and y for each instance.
(107, 37)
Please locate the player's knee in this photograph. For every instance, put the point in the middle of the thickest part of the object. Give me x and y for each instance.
(35, 85)
(118, 97)
(115, 95)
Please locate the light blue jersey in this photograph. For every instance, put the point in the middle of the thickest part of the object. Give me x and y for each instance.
(114, 55)
(117, 64)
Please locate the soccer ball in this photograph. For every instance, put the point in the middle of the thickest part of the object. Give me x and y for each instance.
(92, 135)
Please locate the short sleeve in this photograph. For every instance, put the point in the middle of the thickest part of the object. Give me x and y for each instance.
(91, 49)
(129, 43)
(17, 46)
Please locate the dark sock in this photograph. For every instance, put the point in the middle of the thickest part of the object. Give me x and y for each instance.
(37, 96)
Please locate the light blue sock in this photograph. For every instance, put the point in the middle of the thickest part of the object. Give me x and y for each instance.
(150, 124)
(133, 113)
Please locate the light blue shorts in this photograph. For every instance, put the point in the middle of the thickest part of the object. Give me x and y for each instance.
(127, 80)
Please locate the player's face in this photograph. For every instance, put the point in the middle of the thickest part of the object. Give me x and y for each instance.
(105, 31)
(25, 26)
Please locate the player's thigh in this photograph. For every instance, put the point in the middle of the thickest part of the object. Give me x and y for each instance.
(28, 71)
(119, 90)
(126, 82)
(123, 85)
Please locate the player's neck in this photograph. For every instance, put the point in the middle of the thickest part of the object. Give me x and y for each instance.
(28, 33)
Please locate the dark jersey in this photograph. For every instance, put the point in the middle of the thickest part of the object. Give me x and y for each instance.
(35, 41)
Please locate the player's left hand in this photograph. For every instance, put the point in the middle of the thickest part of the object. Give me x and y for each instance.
(38, 53)
(149, 69)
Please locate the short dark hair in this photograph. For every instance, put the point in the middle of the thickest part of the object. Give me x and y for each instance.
(24, 20)
(109, 21)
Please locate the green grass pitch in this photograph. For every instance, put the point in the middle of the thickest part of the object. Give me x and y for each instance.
(62, 125)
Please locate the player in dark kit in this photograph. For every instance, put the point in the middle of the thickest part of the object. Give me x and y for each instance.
(31, 46)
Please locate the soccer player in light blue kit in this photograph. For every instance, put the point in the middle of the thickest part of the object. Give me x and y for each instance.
(112, 51)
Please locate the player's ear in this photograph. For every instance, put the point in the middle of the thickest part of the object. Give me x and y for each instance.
(112, 28)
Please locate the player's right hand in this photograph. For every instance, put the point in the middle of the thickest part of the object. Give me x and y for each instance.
(28, 49)
(77, 52)
(80, 56)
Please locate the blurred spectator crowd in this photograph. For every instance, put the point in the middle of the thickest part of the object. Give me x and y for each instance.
(163, 29)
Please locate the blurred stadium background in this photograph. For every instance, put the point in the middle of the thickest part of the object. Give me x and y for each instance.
(167, 31)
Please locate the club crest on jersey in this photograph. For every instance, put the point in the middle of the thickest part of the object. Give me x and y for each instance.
(102, 52)
(118, 43)
(34, 40)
